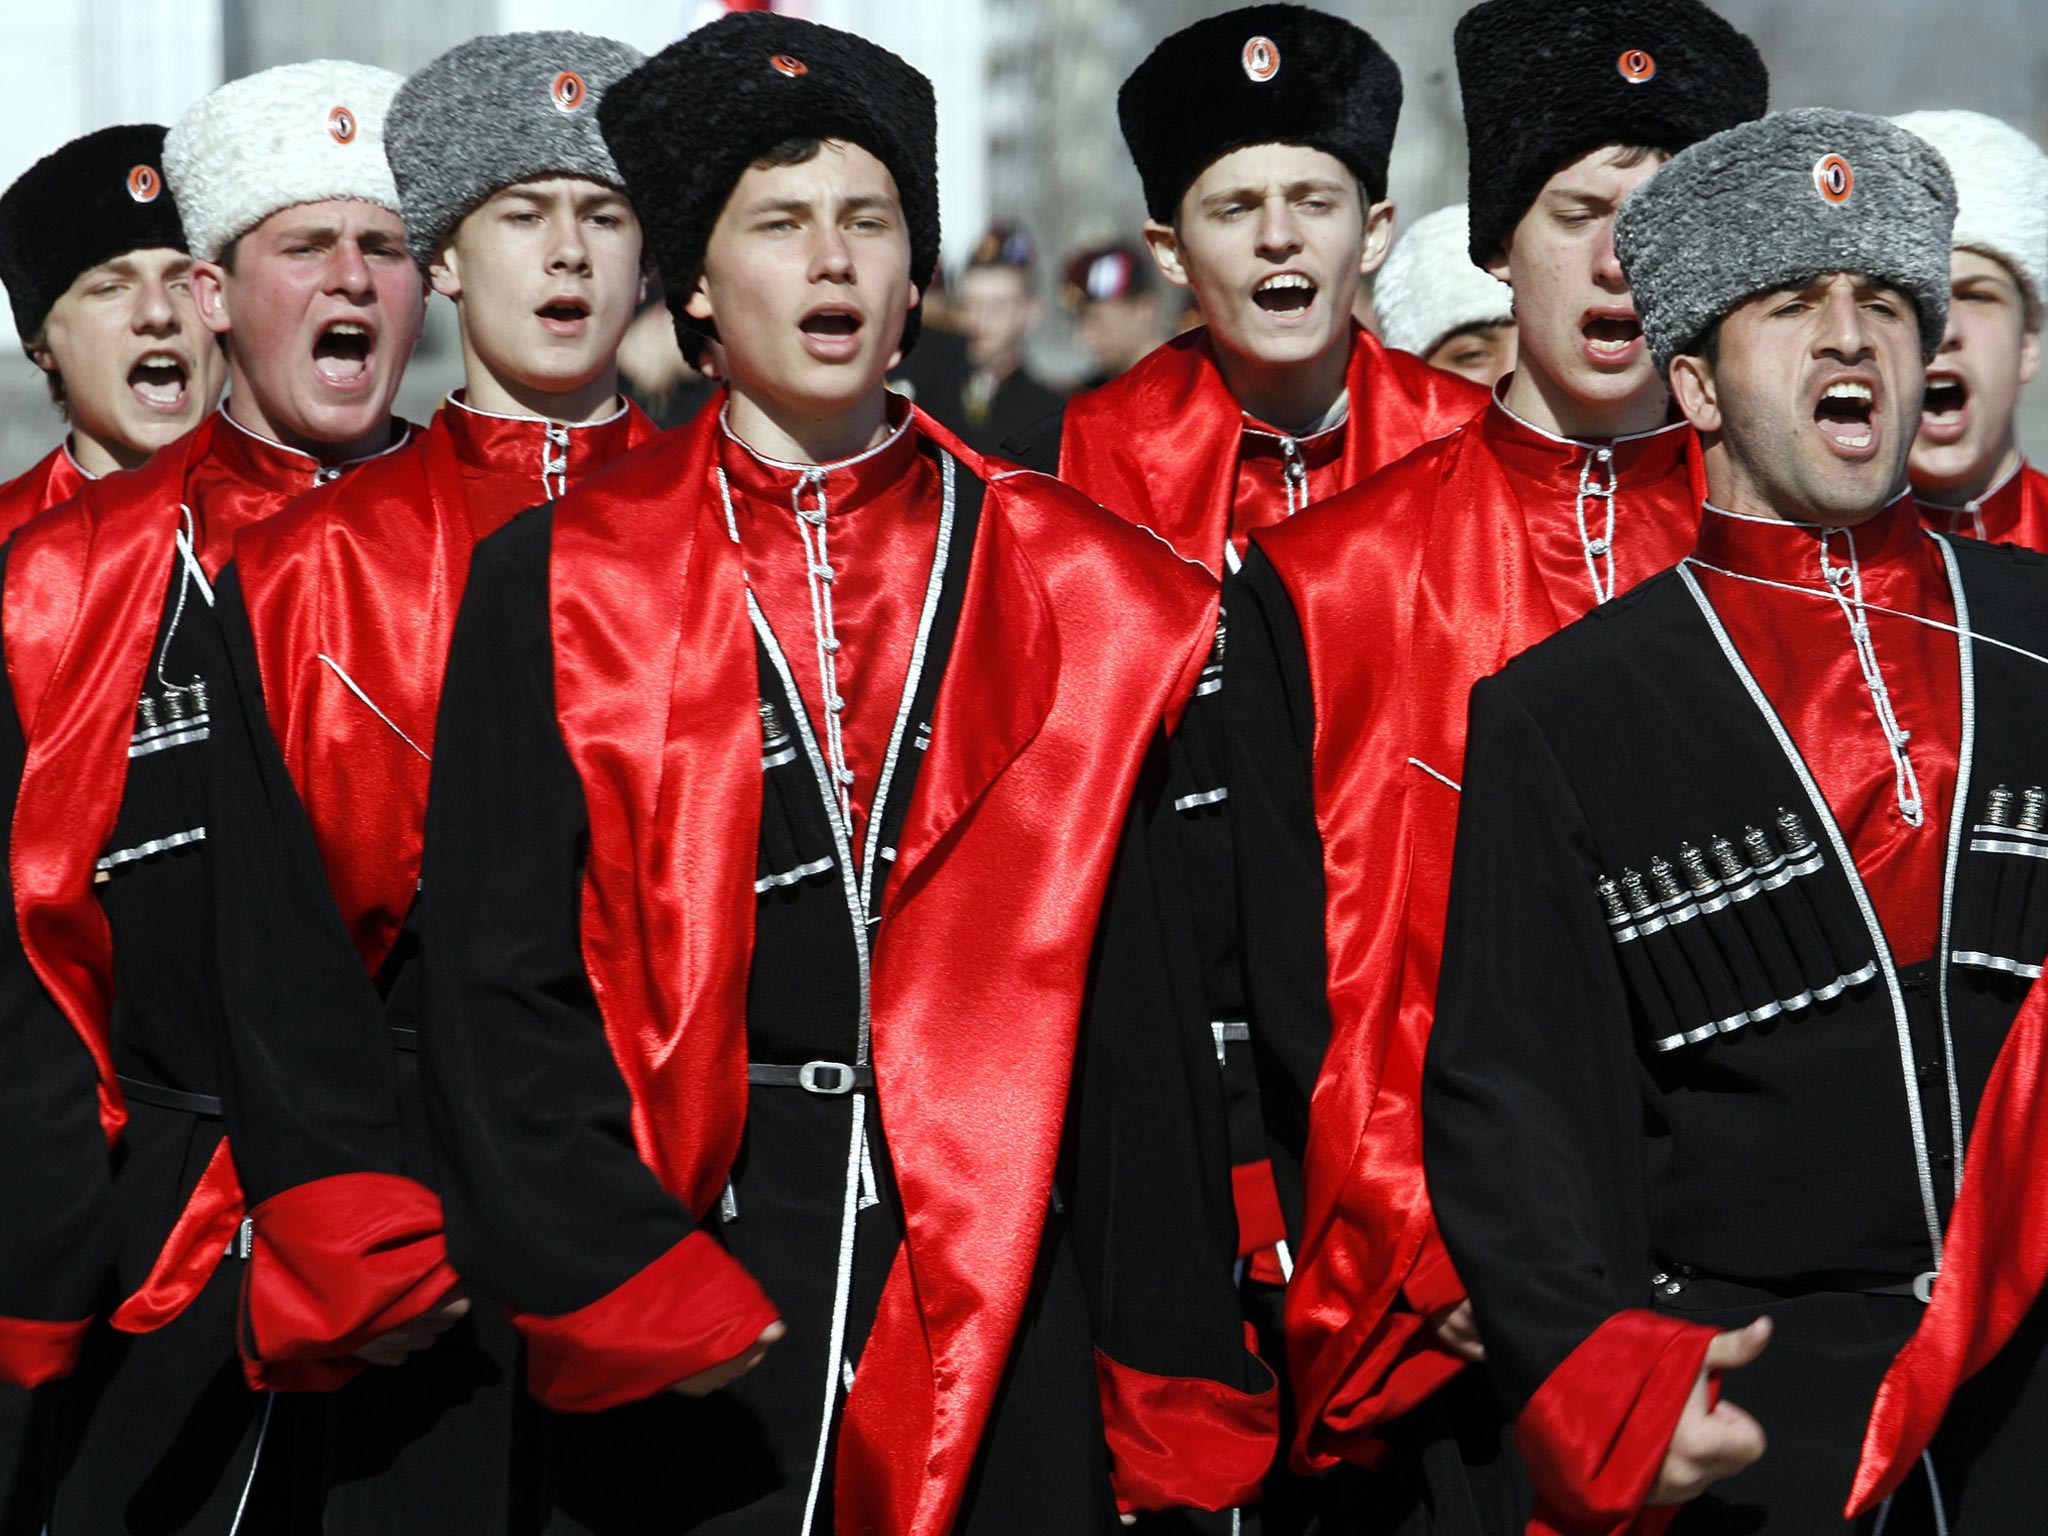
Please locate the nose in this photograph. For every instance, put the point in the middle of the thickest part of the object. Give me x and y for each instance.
(156, 312)
(1279, 232)
(348, 274)
(570, 253)
(1844, 333)
(1606, 264)
(1952, 331)
(831, 256)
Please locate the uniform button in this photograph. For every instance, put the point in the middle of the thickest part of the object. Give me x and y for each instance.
(1943, 1160)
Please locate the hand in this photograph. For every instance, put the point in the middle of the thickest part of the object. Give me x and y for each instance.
(1457, 1332)
(410, 1338)
(1712, 1443)
(704, 1383)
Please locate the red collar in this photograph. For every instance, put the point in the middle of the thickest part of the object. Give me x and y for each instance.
(488, 443)
(1900, 565)
(1530, 453)
(846, 485)
(268, 465)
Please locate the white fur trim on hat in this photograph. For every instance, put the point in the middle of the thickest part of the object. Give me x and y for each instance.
(1430, 288)
(299, 133)
(2001, 180)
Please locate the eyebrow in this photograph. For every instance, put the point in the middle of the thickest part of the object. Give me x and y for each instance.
(1258, 194)
(860, 202)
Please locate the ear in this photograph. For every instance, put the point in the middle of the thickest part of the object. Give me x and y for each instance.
(1164, 244)
(1694, 389)
(2030, 356)
(698, 305)
(210, 295)
(40, 354)
(444, 272)
(1379, 237)
(1497, 265)
(640, 293)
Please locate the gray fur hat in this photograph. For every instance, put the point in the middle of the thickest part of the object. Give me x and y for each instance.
(494, 111)
(1776, 202)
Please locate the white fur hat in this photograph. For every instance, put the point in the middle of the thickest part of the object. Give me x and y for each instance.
(1430, 288)
(299, 133)
(2001, 180)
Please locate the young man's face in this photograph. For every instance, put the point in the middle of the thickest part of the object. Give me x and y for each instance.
(1481, 353)
(547, 274)
(138, 367)
(1973, 385)
(1815, 395)
(997, 309)
(1575, 322)
(323, 306)
(807, 277)
(1273, 239)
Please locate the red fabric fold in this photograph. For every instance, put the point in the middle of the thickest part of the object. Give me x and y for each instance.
(2015, 513)
(33, 1352)
(1596, 1433)
(1179, 1442)
(1259, 1222)
(56, 477)
(1432, 1285)
(1993, 1267)
(198, 1241)
(691, 1309)
(334, 1265)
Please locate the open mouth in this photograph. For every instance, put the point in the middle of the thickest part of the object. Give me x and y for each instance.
(1285, 293)
(1947, 397)
(1611, 335)
(1845, 414)
(159, 381)
(566, 314)
(831, 323)
(341, 352)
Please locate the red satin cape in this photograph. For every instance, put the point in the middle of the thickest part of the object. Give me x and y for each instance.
(1159, 444)
(1994, 1263)
(370, 572)
(84, 594)
(984, 939)
(55, 477)
(1432, 556)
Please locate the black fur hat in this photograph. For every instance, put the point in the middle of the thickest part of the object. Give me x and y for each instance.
(1545, 81)
(685, 126)
(98, 197)
(1266, 74)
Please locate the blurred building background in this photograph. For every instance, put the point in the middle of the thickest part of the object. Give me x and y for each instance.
(1026, 92)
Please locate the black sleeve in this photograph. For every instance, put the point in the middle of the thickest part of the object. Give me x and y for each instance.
(548, 1204)
(309, 1083)
(1038, 445)
(1269, 719)
(1532, 1108)
(1150, 1182)
(56, 1178)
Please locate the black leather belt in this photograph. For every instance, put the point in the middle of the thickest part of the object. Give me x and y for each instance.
(169, 1098)
(829, 1078)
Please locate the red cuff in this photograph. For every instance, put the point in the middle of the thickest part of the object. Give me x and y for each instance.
(1259, 1222)
(334, 1265)
(32, 1352)
(691, 1309)
(1595, 1433)
(1432, 1285)
(1178, 1442)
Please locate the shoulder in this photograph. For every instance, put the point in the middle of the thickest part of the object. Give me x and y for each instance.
(1070, 537)
(1621, 644)
(1434, 387)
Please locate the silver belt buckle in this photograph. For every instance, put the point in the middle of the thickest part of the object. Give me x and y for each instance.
(1923, 1286)
(842, 1081)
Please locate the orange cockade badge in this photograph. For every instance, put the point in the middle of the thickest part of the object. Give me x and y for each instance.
(1834, 177)
(1636, 66)
(1261, 59)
